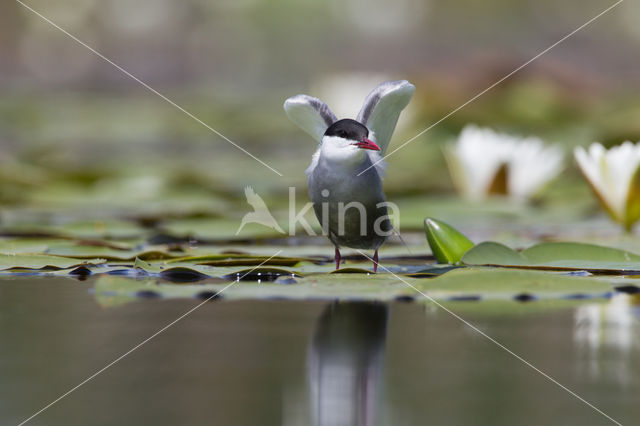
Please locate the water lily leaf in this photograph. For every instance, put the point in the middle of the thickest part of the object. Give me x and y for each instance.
(189, 272)
(39, 261)
(87, 251)
(182, 274)
(260, 274)
(234, 259)
(556, 255)
(432, 271)
(253, 262)
(23, 245)
(316, 249)
(448, 245)
(208, 229)
(112, 290)
(98, 229)
(490, 253)
(352, 270)
(91, 270)
(507, 283)
(160, 267)
(462, 284)
(307, 268)
(549, 252)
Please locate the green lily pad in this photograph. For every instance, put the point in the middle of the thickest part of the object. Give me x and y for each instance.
(161, 267)
(432, 271)
(490, 253)
(216, 229)
(112, 290)
(234, 259)
(23, 246)
(84, 251)
(98, 229)
(352, 270)
(260, 274)
(561, 256)
(500, 282)
(188, 271)
(39, 261)
(460, 284)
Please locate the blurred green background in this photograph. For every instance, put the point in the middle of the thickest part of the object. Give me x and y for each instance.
(87, 153)
(81, 140)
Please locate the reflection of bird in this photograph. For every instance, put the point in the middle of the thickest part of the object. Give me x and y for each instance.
(260, 213)
(345, 173)
(346, 362)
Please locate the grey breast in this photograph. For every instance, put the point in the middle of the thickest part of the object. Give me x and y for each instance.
(351, 214)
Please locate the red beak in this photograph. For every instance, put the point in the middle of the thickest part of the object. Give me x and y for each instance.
(367, 144)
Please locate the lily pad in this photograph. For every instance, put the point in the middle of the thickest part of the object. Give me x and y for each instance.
(235, 259)
(39, 261)
(116, 229)
(80, 251)
(352, 270)
(260, 274)
(23, 246)
(161, 268)
(432, 271)
(113, 291)
(561, 256)
(460, 284)
(215, 229)
(182, 274)
(507, 283)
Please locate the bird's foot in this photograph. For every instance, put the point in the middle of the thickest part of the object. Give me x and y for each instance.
(375, 262)
(337, 258)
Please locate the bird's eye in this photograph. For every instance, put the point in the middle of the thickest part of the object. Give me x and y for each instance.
(342, 134)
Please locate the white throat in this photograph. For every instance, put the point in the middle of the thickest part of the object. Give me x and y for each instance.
(342, 153)
(339, 150)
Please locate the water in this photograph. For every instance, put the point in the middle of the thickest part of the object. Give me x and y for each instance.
(288, 363)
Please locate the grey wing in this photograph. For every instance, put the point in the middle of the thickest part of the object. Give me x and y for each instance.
(382, 108)
(310, 114)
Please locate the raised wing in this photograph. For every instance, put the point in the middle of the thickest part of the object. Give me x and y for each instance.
(310, 114)
(382, 108)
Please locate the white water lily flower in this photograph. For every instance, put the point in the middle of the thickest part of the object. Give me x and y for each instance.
(483, 162)
(612, 175)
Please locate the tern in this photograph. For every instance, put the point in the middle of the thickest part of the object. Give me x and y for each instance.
(345, 175)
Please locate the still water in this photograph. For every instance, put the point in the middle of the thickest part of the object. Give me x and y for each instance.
(312, 363)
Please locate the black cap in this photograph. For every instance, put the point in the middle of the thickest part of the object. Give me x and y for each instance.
(348, 129)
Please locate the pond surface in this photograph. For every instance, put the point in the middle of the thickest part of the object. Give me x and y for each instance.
(299, 363)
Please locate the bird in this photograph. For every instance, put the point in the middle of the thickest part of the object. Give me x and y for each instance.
(261, 213)
(346, 171)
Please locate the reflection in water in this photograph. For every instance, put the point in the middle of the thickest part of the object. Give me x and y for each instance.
(608, 331)
(345, 364)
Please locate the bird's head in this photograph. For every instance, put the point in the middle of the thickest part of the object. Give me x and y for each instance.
(347, 139)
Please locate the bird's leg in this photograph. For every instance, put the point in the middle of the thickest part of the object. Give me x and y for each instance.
(375, 261)
(337, 258)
